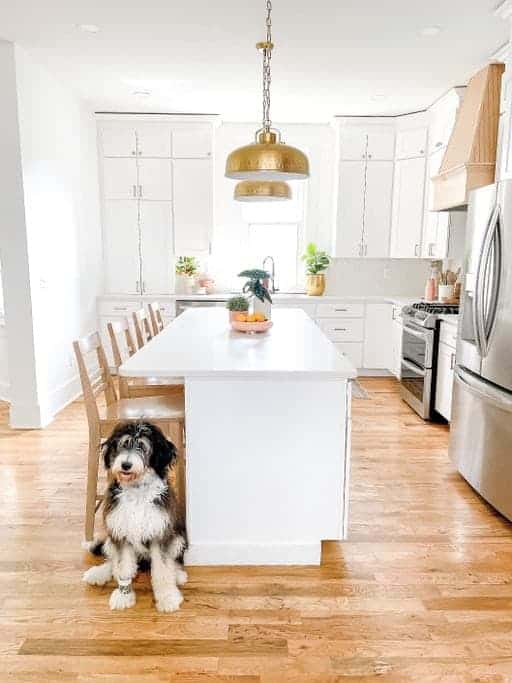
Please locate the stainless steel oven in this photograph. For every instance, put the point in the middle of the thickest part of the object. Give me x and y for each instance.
(417, 367)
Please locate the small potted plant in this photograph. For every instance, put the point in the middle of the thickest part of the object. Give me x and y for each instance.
(316, 263)
(255, 286)
(238, 307)
(187, 268)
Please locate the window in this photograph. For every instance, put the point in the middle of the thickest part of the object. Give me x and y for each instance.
(276, 229)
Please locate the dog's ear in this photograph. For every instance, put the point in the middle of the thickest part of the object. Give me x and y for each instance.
(108, 449)
(163, 454)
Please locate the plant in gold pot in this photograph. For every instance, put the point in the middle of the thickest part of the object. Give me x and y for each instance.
(317, 263)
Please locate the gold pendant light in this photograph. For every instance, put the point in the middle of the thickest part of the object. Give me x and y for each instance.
(268, 158)
(262, 191)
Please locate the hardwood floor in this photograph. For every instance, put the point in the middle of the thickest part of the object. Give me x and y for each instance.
(421, 591)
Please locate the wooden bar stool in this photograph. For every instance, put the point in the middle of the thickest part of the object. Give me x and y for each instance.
(155, 314)
(143, 331)
(167, 412)
(135, 387)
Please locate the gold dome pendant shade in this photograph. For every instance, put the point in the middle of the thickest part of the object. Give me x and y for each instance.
(262, 191)
(267, 158)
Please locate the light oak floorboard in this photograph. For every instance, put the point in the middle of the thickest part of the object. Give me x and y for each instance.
(421, 591)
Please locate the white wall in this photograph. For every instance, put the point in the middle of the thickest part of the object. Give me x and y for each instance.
(373, 277)
(63, 238)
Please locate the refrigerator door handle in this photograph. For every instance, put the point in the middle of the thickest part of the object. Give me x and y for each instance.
(481, 337)
(483, 389)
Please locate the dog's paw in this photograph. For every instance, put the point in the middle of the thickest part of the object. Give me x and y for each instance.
(120, 600)
(98, 575)
(169, 602)
(181, 576)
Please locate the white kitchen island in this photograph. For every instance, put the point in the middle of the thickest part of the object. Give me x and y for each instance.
(268, 435)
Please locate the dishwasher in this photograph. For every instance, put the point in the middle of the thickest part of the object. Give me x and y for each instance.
(184, 304)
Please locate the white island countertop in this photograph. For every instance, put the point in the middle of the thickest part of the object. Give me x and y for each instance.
(200, 343)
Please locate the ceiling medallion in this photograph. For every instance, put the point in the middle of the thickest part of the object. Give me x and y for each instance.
(267, 158)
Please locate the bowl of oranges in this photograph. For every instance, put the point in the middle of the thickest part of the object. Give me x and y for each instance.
(250, 322)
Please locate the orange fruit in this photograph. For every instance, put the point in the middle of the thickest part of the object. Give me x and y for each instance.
(240, 317)
(259, 317)
(252, 318)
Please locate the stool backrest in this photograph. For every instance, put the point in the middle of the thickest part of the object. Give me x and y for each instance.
(157, 322)
(95, 375)
(142, 327)
(121, 338)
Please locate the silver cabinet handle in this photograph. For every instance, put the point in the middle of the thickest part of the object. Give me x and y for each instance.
(422, 151)
(431, 249)
(140, 190)
(341, 310)
(340, 329)
(452, 361)
(365, 249)
(439, 144)
(134, 190)
(133, 152)
(137, 286)
(120, 308)
(416, 249)
(143, 287)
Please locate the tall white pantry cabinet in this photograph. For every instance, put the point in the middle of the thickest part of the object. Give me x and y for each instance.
(157, 197)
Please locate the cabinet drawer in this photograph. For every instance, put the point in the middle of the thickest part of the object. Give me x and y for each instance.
(448, 334)
(340, 310)
(351, 330)
(353, 351)
(118, 309)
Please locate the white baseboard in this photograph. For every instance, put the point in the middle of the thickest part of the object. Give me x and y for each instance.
(63, 395)
(253, 553)
(368, 372)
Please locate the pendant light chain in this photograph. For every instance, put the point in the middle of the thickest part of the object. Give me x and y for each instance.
(267, 56)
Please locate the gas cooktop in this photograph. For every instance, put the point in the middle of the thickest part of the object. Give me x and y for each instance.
(436, 307)
(425, 314)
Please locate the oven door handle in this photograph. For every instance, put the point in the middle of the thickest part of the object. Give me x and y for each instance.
(416, 333)
(413, 367)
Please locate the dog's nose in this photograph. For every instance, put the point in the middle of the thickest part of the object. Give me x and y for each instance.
(126, 466)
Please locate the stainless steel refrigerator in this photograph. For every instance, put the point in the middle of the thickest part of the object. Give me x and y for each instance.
(481, 425)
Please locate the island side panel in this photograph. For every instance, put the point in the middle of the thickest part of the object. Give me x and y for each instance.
(266, 468)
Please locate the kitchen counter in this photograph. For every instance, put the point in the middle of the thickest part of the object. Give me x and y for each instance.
(278, 298)
(268, 435)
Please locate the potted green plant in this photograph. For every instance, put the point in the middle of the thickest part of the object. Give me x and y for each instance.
(187, 269)
(237, 306)
(255, 286)
(317, 263)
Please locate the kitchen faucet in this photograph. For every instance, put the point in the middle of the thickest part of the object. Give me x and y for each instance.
(273, 288)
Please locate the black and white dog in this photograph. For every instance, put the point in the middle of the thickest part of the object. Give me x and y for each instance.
(141, 518)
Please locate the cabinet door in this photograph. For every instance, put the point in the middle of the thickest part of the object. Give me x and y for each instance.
(193, 205)
(408, 212)
(436, 223)
(377, 337)
(353, 143)
(444, 380)
(156, 246)
(193, 142)
(118, 139)
(119, 178)
(381, 144)
(349, 225)
(411, 143)
(154, 140)
(121, 247)
(155, 179)
(377, 212)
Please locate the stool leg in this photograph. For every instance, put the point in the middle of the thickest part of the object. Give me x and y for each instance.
(92, 485)
(181, 472)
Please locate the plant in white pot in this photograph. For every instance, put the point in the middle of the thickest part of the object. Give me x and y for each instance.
(260, 296)
(317, 263)
(187, 269)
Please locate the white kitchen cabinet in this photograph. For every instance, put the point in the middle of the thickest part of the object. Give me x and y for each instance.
(436, 229)
(120, 178)
(353, 142)
(155, 179)
(154, 139)
(155, 221)
(193, 205)
(396, 341)
(377, 208)
(377, 336)
(349, 224)
(343, 329)
(121, 264)
(381, 143)
(408, 208)
(444, 379)
(192, 143)
(411, 142)
(353, 351)
(442, 115)
(118, 139)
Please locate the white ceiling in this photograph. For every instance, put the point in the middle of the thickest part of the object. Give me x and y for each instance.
(331, 56)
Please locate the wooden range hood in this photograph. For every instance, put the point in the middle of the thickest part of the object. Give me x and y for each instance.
(470, 158)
